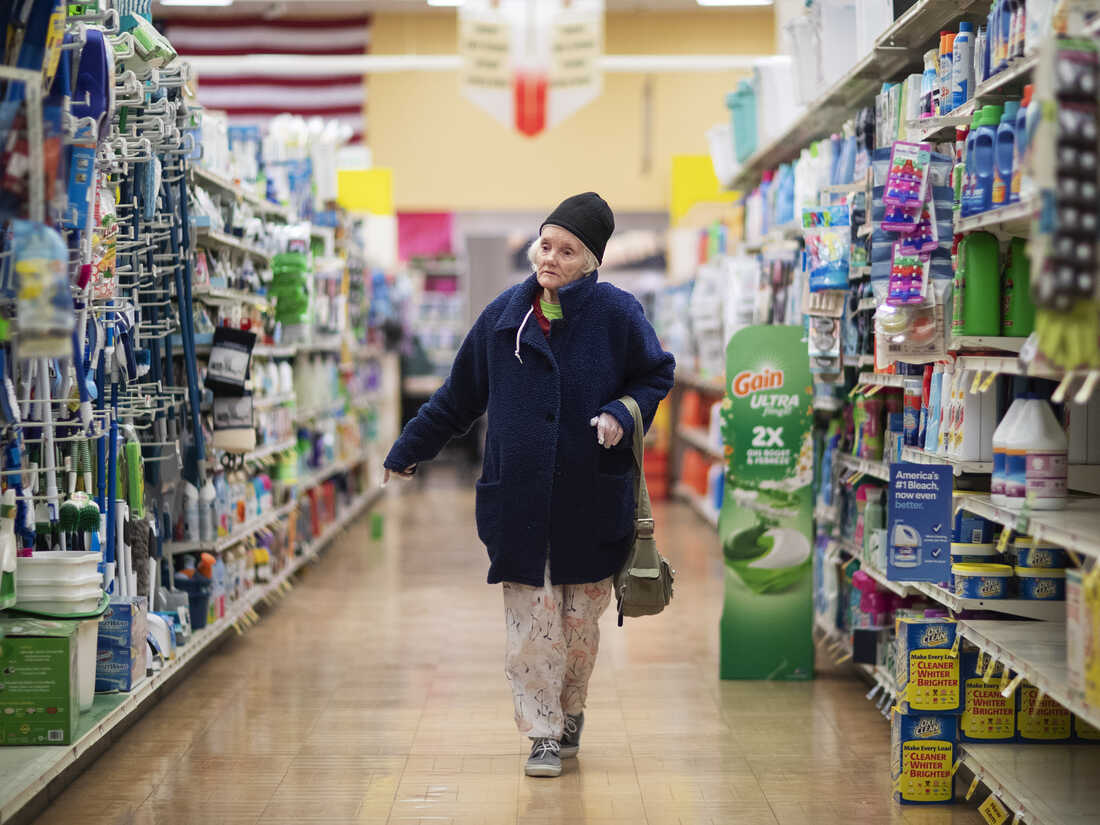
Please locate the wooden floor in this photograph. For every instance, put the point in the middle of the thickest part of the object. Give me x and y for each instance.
(376, 694)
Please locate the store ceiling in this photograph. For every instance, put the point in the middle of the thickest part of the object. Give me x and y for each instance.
(313, 8)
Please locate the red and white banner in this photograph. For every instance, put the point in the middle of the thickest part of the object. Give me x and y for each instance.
(531, 65)
(257, 98)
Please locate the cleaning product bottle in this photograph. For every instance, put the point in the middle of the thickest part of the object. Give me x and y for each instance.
(977, 286)
(998, 481)
(935, 409)
(192, 530)
(1020, 147)
(911, 393)
(1004, 154)
(1014, 445)
(1019, 29)
(1046, 457)
(207, 515)
(962, 66)
(989, 120)
(929, 85)
(947, 44)
(970, 169)
(1008, 8)
(926, 391)
(958, 171)
(980, 44)
(9, 547)
(1017, 308)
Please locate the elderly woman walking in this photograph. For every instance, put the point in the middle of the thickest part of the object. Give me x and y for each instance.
(548, 360)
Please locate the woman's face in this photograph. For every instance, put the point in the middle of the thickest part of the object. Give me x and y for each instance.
(559, 259)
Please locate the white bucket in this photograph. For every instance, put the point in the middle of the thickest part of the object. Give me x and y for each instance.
(87, 644)
(81, 596)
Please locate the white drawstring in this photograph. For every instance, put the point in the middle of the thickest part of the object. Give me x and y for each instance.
(518, 334)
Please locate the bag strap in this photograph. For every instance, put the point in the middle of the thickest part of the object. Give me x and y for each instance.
(643, 513)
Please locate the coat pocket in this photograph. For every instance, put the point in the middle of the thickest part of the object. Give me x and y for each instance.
(615, 495)
(487, 511)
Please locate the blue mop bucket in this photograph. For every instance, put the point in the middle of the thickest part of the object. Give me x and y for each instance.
(198, 589)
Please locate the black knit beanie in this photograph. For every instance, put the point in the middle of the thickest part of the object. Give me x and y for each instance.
(588, 217)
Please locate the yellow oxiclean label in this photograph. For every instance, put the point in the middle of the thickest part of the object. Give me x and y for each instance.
(1048, 721)
(993, 811)
(933, 680)
(988, 714)
(926, 771)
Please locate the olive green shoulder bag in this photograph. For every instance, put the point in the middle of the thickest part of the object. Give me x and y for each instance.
(644, 585)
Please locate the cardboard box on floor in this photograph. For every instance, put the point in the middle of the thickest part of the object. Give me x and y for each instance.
(39, 704)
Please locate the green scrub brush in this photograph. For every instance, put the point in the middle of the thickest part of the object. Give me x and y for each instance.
(69, 514)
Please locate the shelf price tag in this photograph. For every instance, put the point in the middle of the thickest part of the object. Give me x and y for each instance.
(989, 670)
(993, 811)
(973, 787)
(1005, 674)
(1002, 542)
(976, 383)
(956, 766)
(955, 646)
(1010, 688)
(988, 382)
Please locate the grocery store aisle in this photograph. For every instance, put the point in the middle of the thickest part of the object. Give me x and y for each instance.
(375, 693)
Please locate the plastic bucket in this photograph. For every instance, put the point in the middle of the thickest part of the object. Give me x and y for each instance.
(981, 581)
(87, 644)
(56, 566)
(1042, 584)
(198, 589)
(80, 596)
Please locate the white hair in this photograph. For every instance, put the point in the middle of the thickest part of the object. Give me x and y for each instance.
(588, 266)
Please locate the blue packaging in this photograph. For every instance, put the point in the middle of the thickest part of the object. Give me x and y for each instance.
(1030, 553)
(982, 581)
(987, 715)
(1042, 584)
(922, 757)
(120, 657)
(970, 528)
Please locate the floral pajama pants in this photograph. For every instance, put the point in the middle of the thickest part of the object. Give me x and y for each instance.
(553, 638)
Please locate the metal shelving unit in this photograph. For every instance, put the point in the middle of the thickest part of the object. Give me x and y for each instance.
(212, 180)
(919, 456)
(1014, 219)
(700, 440)
(242, 532)
(29, 771)
(876, 469)
(212, 239)
(1076, 528)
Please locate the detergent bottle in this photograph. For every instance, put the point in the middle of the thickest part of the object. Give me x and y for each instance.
(1017, 308)
(1020, 146)
(989, 119)
(1004, 154)
(970, 170)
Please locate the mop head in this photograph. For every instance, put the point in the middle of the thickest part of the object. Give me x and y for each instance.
(137, 536)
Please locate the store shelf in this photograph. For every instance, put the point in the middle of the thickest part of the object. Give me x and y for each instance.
(1025, 608)
(242, 532)
(268, 401)
(1006, 365)
(702, 507)
(365, 400)
(867, 303)
(334, 469)
(1046, 784)
(1005, 83)
(781, 234)
(845, 188)
(856, 552)
(937, 129)
(1014, 219)
(919, 456)
(897, 49)
(212, 239)
(26, 772)
(331, 344)
(268, 450)
(961, 343)
(1075, 528)
(331, 409)
(876, 469)
(212, 180)
(827, 403)
(1038, 651)
(274, 351)
(699, 438)
(218, 295)
(695, 381)
(858, 273)
(421, 386)
(880, 379)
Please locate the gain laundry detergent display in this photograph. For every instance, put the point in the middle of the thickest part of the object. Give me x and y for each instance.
(766, 524)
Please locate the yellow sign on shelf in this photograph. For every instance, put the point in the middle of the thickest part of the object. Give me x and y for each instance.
(366, 190)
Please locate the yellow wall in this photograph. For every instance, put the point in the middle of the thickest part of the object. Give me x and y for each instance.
(448, 154)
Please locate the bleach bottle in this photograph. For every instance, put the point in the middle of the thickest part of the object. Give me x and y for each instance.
(1004, 155)
(962, 66)
(984, 165)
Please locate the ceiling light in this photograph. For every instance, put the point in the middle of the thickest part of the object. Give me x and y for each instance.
(734, 2)
(196, 2)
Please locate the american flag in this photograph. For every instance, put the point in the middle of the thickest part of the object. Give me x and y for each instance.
(257, 98)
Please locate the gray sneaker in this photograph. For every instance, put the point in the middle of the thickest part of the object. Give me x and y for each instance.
(544, 759)
(571, 739)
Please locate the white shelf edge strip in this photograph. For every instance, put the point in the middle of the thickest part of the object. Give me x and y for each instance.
(200, 640)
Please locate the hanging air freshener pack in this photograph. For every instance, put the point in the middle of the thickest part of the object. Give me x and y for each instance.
(828, 247)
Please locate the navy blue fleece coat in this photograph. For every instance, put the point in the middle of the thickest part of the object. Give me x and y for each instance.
(546, 482)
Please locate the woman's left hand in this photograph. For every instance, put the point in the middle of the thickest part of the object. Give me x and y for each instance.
(609, 431)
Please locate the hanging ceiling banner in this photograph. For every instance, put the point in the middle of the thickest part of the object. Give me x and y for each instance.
(531, 63)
